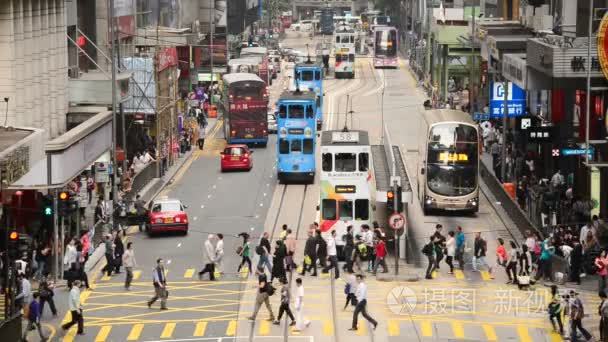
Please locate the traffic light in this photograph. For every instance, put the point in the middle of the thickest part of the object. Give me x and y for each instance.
(399, 199)
(13, 244)
(390, 201)
(66, 204)
(47, 206)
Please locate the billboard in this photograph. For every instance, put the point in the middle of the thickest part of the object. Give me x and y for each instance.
(516, 100)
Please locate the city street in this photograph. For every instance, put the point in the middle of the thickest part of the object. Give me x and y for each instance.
(465, 306)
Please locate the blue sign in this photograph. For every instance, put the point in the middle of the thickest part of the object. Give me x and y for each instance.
(481, 116)
(577, 151)
(516, 100)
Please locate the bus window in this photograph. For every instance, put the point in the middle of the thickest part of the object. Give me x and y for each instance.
(327, 162)
(310, 112)
(307, 75)
(308, 146)
(296, 145)
(283, 146)
(296, 112)
(361, 210)
(345, 210)
(328, 208)
(283, 111)
(317, 75)
(346, 162)
(351, 57)
(363, 161)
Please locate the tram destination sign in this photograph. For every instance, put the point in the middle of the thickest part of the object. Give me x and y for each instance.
(345, 189)
(345, 137)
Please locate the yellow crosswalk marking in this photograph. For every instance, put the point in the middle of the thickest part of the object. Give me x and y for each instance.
(168, 330)
(136, 274)
(459, 274)
(485, 275)
(295, 332)
(69, 336)
(105, 277)
(103, 333)
(328, 328)
(200, 329)
(189, 273)
(427, 329)
(84, 295)
(135, 332)
(264, 328)
(362, 328)
(244, 272)
(393, 328)
(490, 332)
(458, 329)
(231, 329)
(217, 274)
(524, 336)
(554, 337)
(434, 274)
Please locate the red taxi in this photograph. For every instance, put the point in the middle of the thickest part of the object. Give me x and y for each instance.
(167, 215)
(236, 157)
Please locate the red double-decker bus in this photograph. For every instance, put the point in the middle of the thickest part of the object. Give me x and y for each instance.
(244, 106)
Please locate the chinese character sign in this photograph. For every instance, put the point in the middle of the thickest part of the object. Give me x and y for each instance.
(516, 100)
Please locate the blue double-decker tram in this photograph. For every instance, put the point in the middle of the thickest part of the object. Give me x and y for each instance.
(297, 133)
(309, 75)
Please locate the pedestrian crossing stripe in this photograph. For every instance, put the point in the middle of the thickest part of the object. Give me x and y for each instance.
(426, 329)
(362, 329)
(458, 330)
(555, 337)
(328, 327)
(103, 333)
(485, 275)
(459, 274)
(524, 336)
(135, 332)
(231, 329)
(136, 274)
(189, 273)
(393, 328)
(264, 328)
(168, 330)
(490, 332)
(200, 329)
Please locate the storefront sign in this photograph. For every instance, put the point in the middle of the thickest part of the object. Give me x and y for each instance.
(576, 151)
(514, 68)
(578, 64)
(206, 77)
(481, 116)
(540, 134)
(563, 61)
(167, 58)
(516, 100)
(602, 44)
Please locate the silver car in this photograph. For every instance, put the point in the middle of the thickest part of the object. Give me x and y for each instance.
(272, 123)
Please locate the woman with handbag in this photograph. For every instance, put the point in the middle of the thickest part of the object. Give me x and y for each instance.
(45, 289)
(244, 252)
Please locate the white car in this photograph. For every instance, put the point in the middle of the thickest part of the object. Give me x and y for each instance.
(272, 122)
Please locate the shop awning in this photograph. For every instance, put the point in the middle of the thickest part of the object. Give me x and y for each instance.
(69, 154)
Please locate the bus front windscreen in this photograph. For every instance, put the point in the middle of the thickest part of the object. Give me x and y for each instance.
(246, 91)
(386, 43)
(452, 160)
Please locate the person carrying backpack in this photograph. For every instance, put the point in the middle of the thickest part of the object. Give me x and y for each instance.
(360, 252)
(265, 290)
(429, 251)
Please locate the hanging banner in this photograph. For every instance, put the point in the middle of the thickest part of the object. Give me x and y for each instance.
(602, 44)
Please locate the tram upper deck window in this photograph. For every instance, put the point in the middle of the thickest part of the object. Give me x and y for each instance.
(317, 75)
(296, 112)
(337, 39)
(296, 145)
(346, 162)
(310, 112)
(283, 146)
(318, 101)
(307, 75)
(283, 111)
(361, 209)
(345, 210)
(363, 161)
(328, 208)
(308, 146)
(327, 162)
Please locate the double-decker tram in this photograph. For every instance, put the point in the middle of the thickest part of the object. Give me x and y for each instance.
(309, 75)
(244, 106)
(297, 134)
(261, 55)
(347, 187)
(448, 164)
(344, 48)
(386, 47)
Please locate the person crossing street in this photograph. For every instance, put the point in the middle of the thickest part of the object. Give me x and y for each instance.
(284, 307)
(361, 307)
(265, 290)
(33, 319)
(209, 257)
(301, 322)
(332, 253)
(75, 308)
(159, 281)
(128, 260)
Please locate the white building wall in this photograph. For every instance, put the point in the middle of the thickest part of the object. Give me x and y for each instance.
(33, 64)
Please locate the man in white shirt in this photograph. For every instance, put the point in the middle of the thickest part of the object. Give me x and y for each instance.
(332, 254)
(583, 235)
(368, 239)
(128, 261)
(301, 322)
(24, 297)
(361, 307)
(75, 309)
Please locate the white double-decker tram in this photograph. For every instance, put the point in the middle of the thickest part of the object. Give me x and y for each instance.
(346, 180)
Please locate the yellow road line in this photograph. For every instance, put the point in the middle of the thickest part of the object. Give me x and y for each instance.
(427, 328)
(393, 328)
(490, 332)
(328, 328)
(523, 333)
(136, 274)
(69, 336)
(231, 329)
(103, 333)
(459, 274)
(458, 329)
(189, 273)
(135, 332)
(200, 329)
(362, 328)
(168, 330)
(485, 275)
(435, 274)
(264, 328)
(106, 277)
(554, 337)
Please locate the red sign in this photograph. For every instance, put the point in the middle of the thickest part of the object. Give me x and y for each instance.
(126, 26)
(602, 44)
(166, 58)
